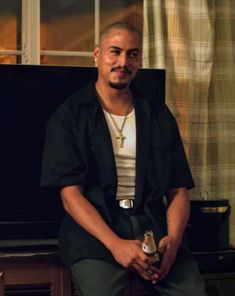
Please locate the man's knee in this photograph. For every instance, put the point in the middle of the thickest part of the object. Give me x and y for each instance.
(100, 278)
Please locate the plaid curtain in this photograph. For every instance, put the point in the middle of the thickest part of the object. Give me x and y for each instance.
(195, 42)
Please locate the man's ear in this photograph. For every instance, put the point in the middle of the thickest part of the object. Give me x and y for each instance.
(96, 53)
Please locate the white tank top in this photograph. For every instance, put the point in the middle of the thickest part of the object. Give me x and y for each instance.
(124, 156)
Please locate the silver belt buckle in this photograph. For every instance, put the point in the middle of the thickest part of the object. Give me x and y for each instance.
(126, 203)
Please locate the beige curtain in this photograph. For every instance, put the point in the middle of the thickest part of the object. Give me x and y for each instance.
(194, 40)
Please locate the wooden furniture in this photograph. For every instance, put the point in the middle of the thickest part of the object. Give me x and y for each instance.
(33, 273)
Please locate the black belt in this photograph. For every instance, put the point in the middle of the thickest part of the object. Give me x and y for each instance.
(126, 203)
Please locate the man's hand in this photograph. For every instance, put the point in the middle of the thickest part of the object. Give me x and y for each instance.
(168, 248)
(130, 255)
(178, 210)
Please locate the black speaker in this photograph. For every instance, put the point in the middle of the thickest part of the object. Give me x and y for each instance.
(208, 227)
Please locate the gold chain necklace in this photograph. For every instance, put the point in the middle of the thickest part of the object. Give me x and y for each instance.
(120, 137)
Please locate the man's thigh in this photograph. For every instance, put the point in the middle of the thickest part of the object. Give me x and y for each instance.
(102, 278)
(184, 279)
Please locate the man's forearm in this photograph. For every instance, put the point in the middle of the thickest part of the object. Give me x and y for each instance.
(177, 213)
(85, 214)
(177, 218)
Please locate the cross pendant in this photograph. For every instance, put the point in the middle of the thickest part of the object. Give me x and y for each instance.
(121, 138)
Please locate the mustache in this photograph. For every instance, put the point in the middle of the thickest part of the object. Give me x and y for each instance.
(125, 68)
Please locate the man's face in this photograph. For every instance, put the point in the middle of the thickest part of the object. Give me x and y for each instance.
(118, 57)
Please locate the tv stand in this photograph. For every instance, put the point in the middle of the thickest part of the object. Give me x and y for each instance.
(33, 272)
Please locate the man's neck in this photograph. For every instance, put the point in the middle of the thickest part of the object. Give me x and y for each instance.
(115, 101)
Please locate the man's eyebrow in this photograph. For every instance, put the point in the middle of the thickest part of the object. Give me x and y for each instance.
(115, 47)
(118, 48)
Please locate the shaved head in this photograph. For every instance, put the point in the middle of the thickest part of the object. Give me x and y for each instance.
(120, 26)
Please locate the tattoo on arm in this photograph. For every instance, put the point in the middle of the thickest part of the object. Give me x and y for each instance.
(168, 219)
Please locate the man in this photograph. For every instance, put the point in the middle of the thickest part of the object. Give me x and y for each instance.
(115, 155)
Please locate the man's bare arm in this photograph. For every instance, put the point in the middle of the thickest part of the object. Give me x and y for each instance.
(177, 218)
(178, 211)
(128, 253)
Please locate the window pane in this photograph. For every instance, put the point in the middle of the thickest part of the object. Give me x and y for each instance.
(10, 59)
(10, 25)
(112, 11)
(67, 25)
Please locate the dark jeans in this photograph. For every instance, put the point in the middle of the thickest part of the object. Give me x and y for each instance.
(95, 277)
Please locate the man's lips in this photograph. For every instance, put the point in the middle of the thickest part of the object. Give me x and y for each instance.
(121, 70)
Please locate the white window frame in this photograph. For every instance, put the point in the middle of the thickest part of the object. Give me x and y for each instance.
(31, 32)
(30, 44)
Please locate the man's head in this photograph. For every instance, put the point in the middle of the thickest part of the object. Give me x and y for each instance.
(118, 55)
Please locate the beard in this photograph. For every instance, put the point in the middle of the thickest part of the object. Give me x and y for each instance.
(118, 85)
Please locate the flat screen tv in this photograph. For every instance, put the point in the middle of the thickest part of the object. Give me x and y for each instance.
(28, 95)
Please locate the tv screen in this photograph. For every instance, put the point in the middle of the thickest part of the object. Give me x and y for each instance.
(28, 95)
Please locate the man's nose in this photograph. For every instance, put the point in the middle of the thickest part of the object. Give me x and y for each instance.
(123, 59)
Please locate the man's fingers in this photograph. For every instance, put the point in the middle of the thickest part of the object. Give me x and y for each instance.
(146, 270)
(147, 274)
(166, 264)
(164, 271)
(138, 267)
(139, 243)
(162, 247)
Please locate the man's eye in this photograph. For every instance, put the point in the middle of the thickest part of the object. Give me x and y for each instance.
(134, 54)
(115, 51)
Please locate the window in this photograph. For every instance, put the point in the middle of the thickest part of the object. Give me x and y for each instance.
(10, 32)
(58, 32)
